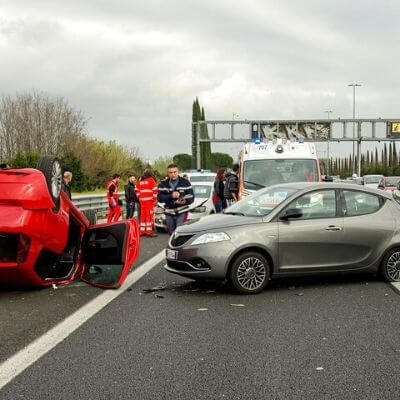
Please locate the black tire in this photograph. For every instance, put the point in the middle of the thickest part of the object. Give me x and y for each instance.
(91, 215)
(159, 229)
(51, 169)
(250, 273)
(390, 267)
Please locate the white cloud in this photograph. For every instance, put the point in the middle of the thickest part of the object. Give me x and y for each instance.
(135, 69)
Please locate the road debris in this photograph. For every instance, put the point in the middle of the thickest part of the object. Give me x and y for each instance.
(237, 305)
(300, 294)
(54, 286)
(292, 287)
(158, 296)
(192, 290)
(202, 309)
(319, 368)
(160, 286)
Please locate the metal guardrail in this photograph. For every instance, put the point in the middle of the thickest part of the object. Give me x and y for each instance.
(96, 202)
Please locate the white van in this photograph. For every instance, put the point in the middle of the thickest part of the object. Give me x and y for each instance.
(277, 161)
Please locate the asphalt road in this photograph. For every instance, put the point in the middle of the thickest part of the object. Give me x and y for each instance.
(27, 314)
(336, 338)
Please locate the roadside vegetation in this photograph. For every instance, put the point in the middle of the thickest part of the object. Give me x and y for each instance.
(35, 124)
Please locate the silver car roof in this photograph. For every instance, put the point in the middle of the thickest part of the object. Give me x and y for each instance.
(335, 185)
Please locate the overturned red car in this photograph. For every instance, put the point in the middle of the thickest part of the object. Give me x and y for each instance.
(46, 240)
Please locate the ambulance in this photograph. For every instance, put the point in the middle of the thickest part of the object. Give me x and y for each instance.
(263, 164)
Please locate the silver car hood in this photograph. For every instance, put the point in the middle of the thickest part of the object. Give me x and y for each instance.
(216, 222)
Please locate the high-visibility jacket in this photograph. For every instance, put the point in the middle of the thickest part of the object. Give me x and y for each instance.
(112, 193)
(146, 191)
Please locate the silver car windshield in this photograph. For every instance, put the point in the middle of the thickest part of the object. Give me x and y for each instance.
(261, 203)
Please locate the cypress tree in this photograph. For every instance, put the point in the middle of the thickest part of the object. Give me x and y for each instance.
(376, 157)
(394, 156)
(384, 155)
(390, 162)
(195, 118)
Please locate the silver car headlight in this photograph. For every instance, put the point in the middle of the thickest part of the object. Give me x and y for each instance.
(211, 237)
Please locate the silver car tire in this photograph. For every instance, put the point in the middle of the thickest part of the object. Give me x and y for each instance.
(250, 273)
(390, 267)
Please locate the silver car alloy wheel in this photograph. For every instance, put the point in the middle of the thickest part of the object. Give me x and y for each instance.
(393, 266)
(56, 179)
(251, 273)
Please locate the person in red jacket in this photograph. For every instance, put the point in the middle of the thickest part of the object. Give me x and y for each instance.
(114, 209)
(146, 192)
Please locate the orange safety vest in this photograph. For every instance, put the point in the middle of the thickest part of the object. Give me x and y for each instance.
(115, 195)
(146, 190)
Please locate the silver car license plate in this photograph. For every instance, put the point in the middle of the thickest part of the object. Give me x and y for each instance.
(172, 254)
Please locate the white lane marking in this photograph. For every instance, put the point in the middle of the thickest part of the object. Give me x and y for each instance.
(17, 363)
(396, 285)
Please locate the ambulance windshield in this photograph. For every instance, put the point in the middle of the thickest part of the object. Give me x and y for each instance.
(263, 173)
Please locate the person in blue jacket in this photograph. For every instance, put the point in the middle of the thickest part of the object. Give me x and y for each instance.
(176, 193)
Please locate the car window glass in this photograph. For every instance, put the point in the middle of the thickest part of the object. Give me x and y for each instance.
(360, 203)
(201, 191)
(319, 204)
(261, 203)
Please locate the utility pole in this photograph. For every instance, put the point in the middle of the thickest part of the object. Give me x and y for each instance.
(354, 85)
(328, 170)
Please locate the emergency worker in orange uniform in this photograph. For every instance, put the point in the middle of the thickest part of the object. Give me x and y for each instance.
(114, 209)
(146, 191)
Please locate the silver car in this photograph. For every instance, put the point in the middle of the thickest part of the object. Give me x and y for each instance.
(291, 230)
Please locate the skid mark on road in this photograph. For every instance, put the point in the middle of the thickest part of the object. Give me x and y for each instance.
(38, 348)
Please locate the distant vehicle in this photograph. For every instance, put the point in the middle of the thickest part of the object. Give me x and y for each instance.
(45, 239)
(200, 176)
(372, 181)
(389, 183)
(275, 162)
(294, 229)
(202, 205)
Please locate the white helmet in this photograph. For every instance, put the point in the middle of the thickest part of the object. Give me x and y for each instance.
(354, 176)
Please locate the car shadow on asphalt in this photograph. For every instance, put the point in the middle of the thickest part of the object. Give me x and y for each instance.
(293, 283)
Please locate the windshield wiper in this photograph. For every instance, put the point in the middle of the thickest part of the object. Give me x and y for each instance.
(255, 184)
(233, 213)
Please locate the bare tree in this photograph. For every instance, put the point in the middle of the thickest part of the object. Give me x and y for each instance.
(34, 122)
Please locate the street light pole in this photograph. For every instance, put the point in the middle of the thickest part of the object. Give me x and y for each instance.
(354, 85)
(328, 170)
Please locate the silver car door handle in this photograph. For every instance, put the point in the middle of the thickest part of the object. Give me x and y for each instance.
(333, 228)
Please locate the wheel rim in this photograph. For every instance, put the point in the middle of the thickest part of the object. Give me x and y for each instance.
(56, 179)
(393, 266)
(251, 273)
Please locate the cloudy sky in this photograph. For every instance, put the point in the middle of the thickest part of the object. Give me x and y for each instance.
(134, 67)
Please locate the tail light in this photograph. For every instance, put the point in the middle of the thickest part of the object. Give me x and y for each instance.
(23, 248)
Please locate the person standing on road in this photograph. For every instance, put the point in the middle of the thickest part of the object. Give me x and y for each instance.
(130, 197)
(231, 190)
(67, 178)
(114, 209)
(218, 196)
(176, 193)
(146, 192)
